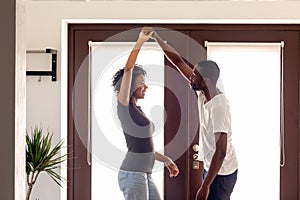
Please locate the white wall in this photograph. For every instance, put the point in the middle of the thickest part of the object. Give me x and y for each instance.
(12, 101)
(44, 22)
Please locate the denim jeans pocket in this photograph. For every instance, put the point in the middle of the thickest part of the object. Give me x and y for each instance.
(122, 176)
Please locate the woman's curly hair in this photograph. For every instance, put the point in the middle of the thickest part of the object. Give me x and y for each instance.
(117, 77)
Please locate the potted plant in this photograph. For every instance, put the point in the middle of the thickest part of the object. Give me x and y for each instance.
(40, 157)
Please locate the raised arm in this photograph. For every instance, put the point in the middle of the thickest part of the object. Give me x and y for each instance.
(173, 56)
(124, 93)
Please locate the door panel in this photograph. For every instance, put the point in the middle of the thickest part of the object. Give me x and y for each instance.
(288, 180)
(180, 102)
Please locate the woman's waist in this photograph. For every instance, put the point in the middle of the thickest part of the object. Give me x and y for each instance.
(141, 162)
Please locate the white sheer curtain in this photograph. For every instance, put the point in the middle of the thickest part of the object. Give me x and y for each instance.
(108, 141)
(250, 79)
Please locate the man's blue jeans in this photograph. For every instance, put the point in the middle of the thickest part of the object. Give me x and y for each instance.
(137, 186)
(222, 186)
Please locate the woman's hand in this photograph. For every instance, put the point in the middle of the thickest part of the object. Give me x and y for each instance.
(172, 167)
(145, 34)
(151, 30)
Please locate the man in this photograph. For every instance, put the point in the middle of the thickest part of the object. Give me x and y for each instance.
(216, 150)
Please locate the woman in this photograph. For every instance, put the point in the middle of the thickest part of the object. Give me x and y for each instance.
(216, 151)
(135, 172)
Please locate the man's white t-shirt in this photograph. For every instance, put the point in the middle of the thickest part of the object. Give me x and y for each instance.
(214, 118)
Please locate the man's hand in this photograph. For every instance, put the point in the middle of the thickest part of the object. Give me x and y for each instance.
(145, 34)
(202, 193)
(152, 30)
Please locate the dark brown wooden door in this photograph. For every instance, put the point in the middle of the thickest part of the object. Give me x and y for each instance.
(180, 103)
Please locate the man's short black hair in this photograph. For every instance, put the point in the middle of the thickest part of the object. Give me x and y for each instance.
(208, 69)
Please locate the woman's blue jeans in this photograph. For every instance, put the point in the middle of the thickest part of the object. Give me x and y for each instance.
(137, 186)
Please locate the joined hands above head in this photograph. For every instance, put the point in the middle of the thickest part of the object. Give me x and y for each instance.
(145, 34)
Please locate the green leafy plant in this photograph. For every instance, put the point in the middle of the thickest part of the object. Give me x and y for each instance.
(40, 157)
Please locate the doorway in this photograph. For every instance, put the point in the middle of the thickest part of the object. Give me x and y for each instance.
(79, 35)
